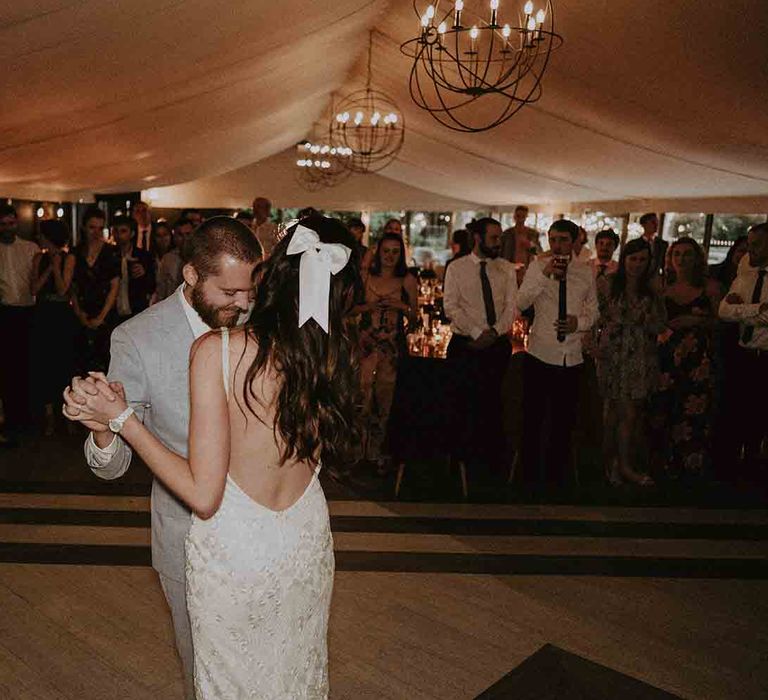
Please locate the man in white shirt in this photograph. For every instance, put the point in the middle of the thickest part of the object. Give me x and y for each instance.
(747, 303)
(480, 299)
(16, 308)
(150, 358)
(265, 230)
(603, 264)
(562, 293)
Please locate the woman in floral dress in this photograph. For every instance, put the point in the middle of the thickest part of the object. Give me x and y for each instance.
(683, 405)
(391, 294)
(631, 316)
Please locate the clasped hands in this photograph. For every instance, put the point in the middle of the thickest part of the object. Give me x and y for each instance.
(94, 401)
(484, 340)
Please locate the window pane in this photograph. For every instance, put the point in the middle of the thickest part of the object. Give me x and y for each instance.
(596, 221)
(428, 237)
(678, 225)
(726, 228)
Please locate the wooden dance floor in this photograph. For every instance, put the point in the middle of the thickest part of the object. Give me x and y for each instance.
(432, 600)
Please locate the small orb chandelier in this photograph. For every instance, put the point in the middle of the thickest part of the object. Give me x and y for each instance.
(321, 165)
(370, 124)
(472, 73)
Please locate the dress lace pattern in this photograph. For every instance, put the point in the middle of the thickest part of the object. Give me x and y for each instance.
(259, 586)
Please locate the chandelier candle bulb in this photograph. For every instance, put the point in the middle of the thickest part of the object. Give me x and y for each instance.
(458, 7)
(528, 9)
(494, 11)
(430, 13)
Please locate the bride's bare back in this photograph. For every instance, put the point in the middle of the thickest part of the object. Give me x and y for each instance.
(255, 448)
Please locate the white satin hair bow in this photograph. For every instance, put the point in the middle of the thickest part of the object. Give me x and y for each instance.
(318, 262)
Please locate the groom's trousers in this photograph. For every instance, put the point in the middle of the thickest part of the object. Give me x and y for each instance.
(176, 595)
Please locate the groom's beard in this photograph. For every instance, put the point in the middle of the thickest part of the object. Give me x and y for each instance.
(214, 316)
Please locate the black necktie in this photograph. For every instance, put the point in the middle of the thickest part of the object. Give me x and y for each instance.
(562, 308)
(749, 331)
(490, 309)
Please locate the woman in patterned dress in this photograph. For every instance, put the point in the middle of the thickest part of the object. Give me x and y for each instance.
(631, 316)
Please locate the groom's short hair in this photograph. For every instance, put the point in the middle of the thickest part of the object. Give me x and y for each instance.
(217, 236)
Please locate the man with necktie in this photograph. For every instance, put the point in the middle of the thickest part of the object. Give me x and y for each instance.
(650, 224)
(480, 299)
(562, 293)
(603, 264)
(747, 303)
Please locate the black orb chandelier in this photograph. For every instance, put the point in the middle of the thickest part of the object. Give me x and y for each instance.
(368, 123)
(320, 165)
(473, 72)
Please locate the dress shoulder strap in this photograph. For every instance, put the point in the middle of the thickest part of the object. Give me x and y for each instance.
(225, 359)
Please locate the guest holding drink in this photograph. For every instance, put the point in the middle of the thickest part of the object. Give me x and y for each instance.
(137, 271)
(631, 317)
(390, 295)
(682, 409)
(96, 284)
(53, 325)
(562, 293)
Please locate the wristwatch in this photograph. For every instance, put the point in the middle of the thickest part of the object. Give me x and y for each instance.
(116, 424)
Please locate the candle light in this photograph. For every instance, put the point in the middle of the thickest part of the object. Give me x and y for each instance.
(540, 16)
(441, 29)
(494, 11)
(458, 7)
(531, 29)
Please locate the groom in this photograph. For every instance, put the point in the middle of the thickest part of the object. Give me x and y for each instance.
(150, 358)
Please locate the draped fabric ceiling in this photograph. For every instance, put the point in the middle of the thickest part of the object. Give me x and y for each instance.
(649, 103)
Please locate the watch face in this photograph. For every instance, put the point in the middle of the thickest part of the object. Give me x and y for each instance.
(115, 425)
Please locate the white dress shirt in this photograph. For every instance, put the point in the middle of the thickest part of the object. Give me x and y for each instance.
(543, 293)
(610, 267)
(144, 237)
(463, 295)
(16, 272)
(748, 314)
(97, 456)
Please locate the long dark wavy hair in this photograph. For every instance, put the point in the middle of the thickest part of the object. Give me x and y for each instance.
(619, 283)
(401, 269)
(315, 405)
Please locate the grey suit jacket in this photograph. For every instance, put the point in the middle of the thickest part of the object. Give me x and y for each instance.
(150, 356)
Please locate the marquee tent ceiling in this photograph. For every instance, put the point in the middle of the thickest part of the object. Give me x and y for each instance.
(202, 101)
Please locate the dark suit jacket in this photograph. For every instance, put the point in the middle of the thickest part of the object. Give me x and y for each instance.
(141, 289)
(659, 252)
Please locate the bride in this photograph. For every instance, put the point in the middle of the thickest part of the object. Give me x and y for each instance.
(268, 402)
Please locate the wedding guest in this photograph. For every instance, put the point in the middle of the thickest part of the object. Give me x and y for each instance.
(650, 224)
(461, 245)
(194, 216)
(393, 226)
(54, 325)
(520, 243)
(631, 317)
(17, 301)
(263, 228)
(581, 250)
(137, 270)
(480, 299)
(357, 229)
(682, 409)
(747, 303)
(169, 273)
(162, 241)
(141, 214)
(727, 437)
(95, 287)
(606, 243)
(390, 296)
(564, 300)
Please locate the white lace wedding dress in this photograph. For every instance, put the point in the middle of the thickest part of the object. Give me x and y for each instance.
(259, 586)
